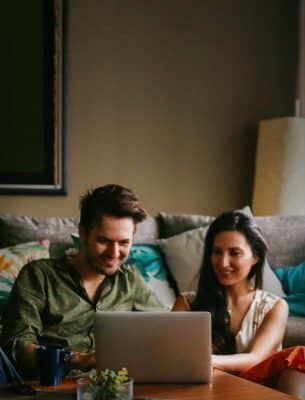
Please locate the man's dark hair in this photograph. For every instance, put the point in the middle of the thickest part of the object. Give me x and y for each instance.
(111, 199)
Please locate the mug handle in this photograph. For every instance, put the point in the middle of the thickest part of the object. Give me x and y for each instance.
(68, 357)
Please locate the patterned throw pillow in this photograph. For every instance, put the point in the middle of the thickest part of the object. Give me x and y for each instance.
(150, 262)
(12, 259)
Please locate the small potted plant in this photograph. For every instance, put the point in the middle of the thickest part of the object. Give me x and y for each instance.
(112, 385)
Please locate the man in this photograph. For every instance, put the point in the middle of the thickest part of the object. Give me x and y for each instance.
(54, 300)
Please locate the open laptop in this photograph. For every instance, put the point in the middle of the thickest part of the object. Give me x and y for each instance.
(172, 347)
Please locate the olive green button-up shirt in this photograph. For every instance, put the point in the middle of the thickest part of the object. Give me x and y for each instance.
(48, 303)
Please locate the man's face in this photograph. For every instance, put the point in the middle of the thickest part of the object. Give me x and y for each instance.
(106, 245)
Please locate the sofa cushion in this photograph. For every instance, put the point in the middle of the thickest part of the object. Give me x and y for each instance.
(18, 229)
(171, 224)
(270, 281)
(294, 334)
(151, 264)
(147, 231)
(292, 278)
(293, 281)
(183, 253)
(12, 260)
(296, 303)
(286, 238)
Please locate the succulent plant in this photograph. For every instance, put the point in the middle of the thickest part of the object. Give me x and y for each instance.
(110, 383)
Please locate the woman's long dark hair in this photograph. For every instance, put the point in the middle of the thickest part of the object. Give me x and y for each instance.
(210, 295)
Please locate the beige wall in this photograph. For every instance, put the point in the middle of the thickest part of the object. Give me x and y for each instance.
(164, 97)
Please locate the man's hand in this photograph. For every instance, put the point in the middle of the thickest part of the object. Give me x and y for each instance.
(84, 361)
(28, 360)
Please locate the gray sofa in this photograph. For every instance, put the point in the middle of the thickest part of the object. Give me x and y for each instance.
(285, 235)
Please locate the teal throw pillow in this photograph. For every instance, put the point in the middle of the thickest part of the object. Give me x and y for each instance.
(292, 278)
(293, 282)
(296, 304)
(150, 262)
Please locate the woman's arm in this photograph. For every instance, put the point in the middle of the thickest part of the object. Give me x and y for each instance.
(267, 340)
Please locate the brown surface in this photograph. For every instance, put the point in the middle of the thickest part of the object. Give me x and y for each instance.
(223, 387)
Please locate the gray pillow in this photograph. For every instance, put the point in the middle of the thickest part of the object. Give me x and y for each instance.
(183, 254)
(286, 238)
(271, 283)
(173, 224)
(147, 232)
(19, 229)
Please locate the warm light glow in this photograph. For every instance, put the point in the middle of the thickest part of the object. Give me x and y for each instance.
(279, 184)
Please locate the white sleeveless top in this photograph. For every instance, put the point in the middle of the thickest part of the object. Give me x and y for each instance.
(261, 304)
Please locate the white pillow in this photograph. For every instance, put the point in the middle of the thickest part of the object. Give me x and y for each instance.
(183, 254)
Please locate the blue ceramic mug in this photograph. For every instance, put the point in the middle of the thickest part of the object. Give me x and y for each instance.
(53, 363)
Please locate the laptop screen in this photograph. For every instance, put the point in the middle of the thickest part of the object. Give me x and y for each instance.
(170, 347)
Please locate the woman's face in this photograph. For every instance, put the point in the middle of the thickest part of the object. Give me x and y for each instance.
(232, 257)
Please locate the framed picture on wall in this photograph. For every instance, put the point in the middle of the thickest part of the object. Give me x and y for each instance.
(32, 151)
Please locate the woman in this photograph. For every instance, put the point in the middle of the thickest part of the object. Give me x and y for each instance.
(248, 324)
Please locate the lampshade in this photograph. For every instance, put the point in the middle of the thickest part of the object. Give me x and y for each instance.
(279, 183)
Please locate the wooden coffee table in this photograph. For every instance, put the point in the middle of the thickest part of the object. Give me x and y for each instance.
(223, 387)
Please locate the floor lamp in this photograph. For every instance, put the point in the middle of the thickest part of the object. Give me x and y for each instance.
(279, 183)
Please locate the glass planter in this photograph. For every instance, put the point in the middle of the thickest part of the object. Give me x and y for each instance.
(89, 391)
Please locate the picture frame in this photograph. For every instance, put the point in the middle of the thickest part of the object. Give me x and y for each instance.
(33, 160)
